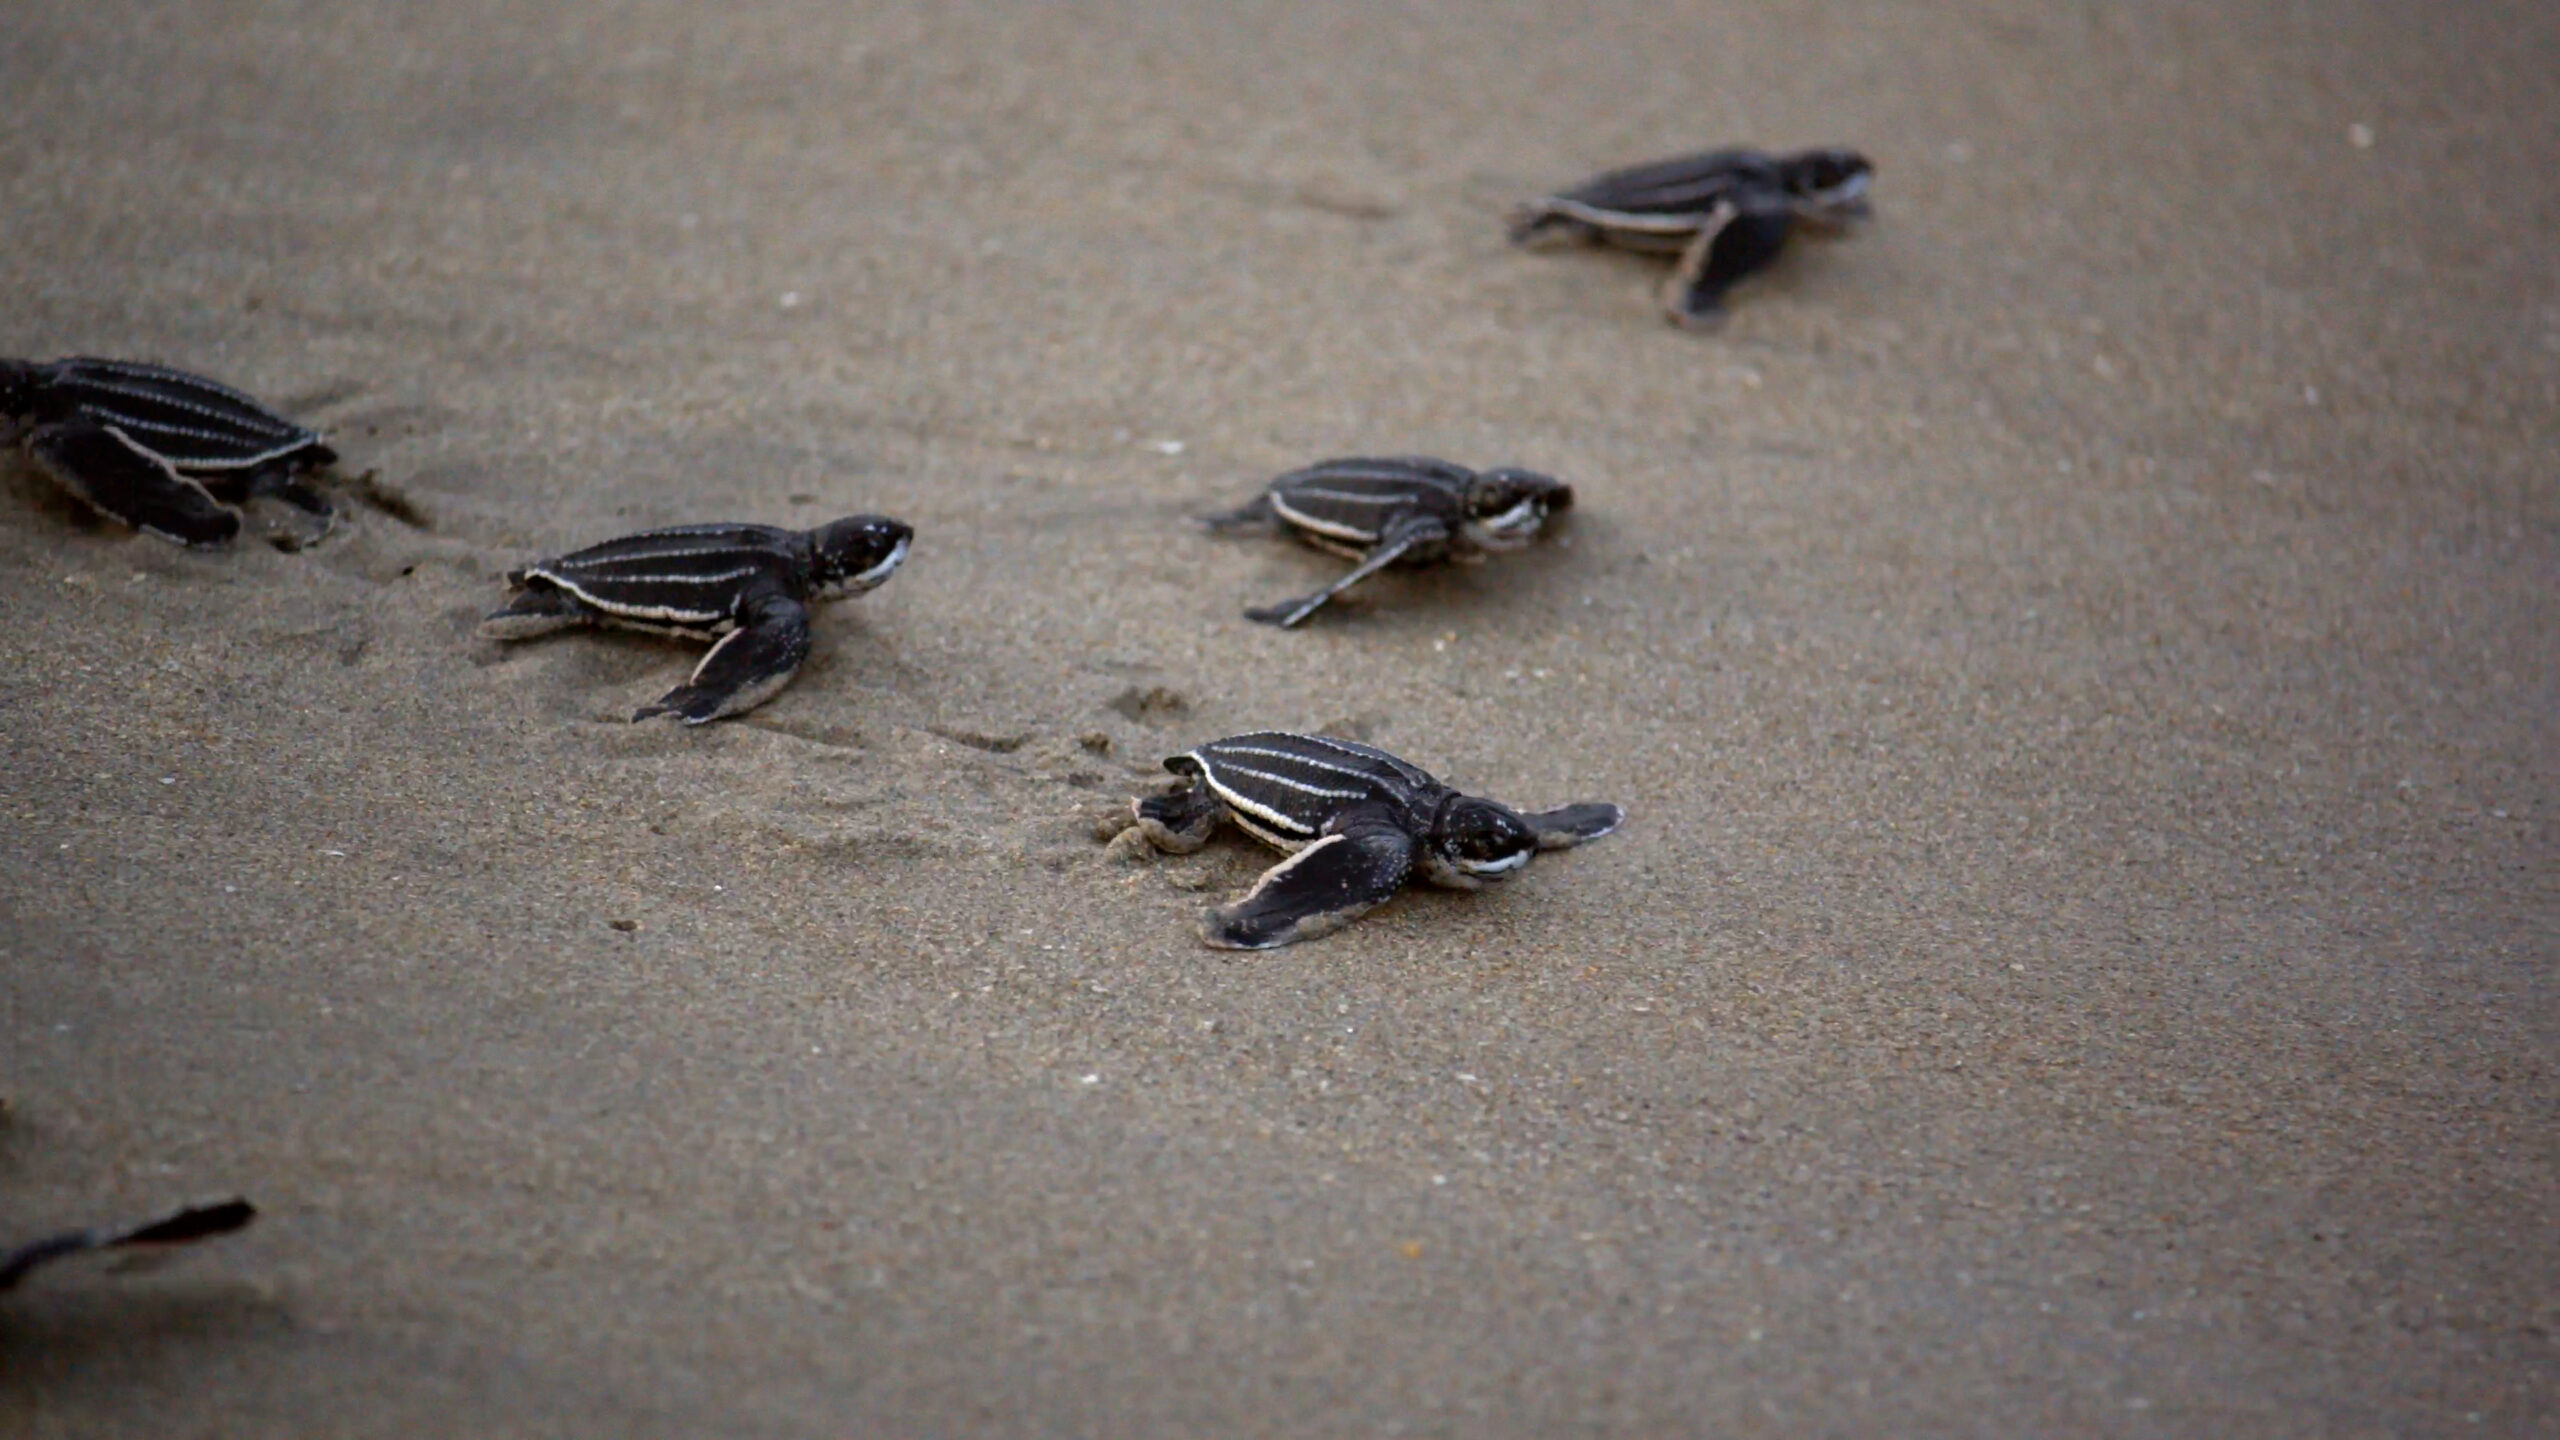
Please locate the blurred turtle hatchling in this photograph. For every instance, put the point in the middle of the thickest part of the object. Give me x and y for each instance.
(164, 451)
(1725, 214)
(1406, 510)
(746, 587)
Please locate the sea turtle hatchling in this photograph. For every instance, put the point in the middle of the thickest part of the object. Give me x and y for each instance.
(1357, 823)
(1398, 510)
(1725, 213)
(159, 449)
(747, 587)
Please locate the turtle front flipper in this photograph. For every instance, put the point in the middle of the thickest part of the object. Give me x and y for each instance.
(103, 466)
(1181, 822)
(1574, 824)
(1737, 240)
(749, 666)
(1391, 547)
(1335, 880)
(180, 1227)
(537, 609)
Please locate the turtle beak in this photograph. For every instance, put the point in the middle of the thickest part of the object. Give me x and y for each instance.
(1514, 527)
(886, 566)
(1497, 869)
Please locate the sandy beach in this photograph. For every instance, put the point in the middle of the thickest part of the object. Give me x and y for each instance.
(2081, 657)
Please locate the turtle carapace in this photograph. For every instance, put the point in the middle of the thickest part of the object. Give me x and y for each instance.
(1356, 822)
(746, 587)
(1725, 213)
(161, 450)
(1398, 510)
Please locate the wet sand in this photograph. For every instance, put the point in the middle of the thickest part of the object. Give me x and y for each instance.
(2080, 657)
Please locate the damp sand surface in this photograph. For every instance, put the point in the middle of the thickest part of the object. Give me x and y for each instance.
(2080, 657)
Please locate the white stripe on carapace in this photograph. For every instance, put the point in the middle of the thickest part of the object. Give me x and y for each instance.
(723, 578)
(624, 612)
(128, 425)
(1334, 528)
(1286, 844)
(1249, 810)
(1301, 786)
(258, 415)
(1608, 219)
(626, 557)
(1405, 770)
(144, 370)
(1316, 762)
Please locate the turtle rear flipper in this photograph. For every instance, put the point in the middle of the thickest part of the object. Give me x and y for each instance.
(1253, 514)
(1400, 538)
(1574, 824)
(749, 666)
(1538, 227)
(1332, 882)
(537, 610)
(1181, 822)
(103, 466)
(1737, 241)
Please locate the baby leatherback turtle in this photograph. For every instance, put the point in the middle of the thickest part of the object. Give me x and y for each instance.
(749, 587)
(159, 449)
(1356, 821)
(179, 1227)
(1724, 213)
(1398, 510)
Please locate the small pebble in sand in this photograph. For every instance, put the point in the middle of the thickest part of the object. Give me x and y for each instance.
(2360, 135)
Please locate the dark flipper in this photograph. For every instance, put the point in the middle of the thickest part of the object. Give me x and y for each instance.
(1737, 241)
(1253, 514)
(1181, 822)
(97, 463)
(317, 518)
(183, 1227)
(284, 481)
(1574, 824)
(1400, 537)
(748, 667)
(537, 610)
(1322, 888)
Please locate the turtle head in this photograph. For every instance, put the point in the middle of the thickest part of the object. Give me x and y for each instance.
(1827, 186)
(1507, 507)
(1482, 840)
(853, 555)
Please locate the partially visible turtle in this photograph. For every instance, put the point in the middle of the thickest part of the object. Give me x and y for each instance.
(748, 587)
(1357, 823)
(1398, 510)
(159, 449)
(179, 1227)
(1724, 213)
